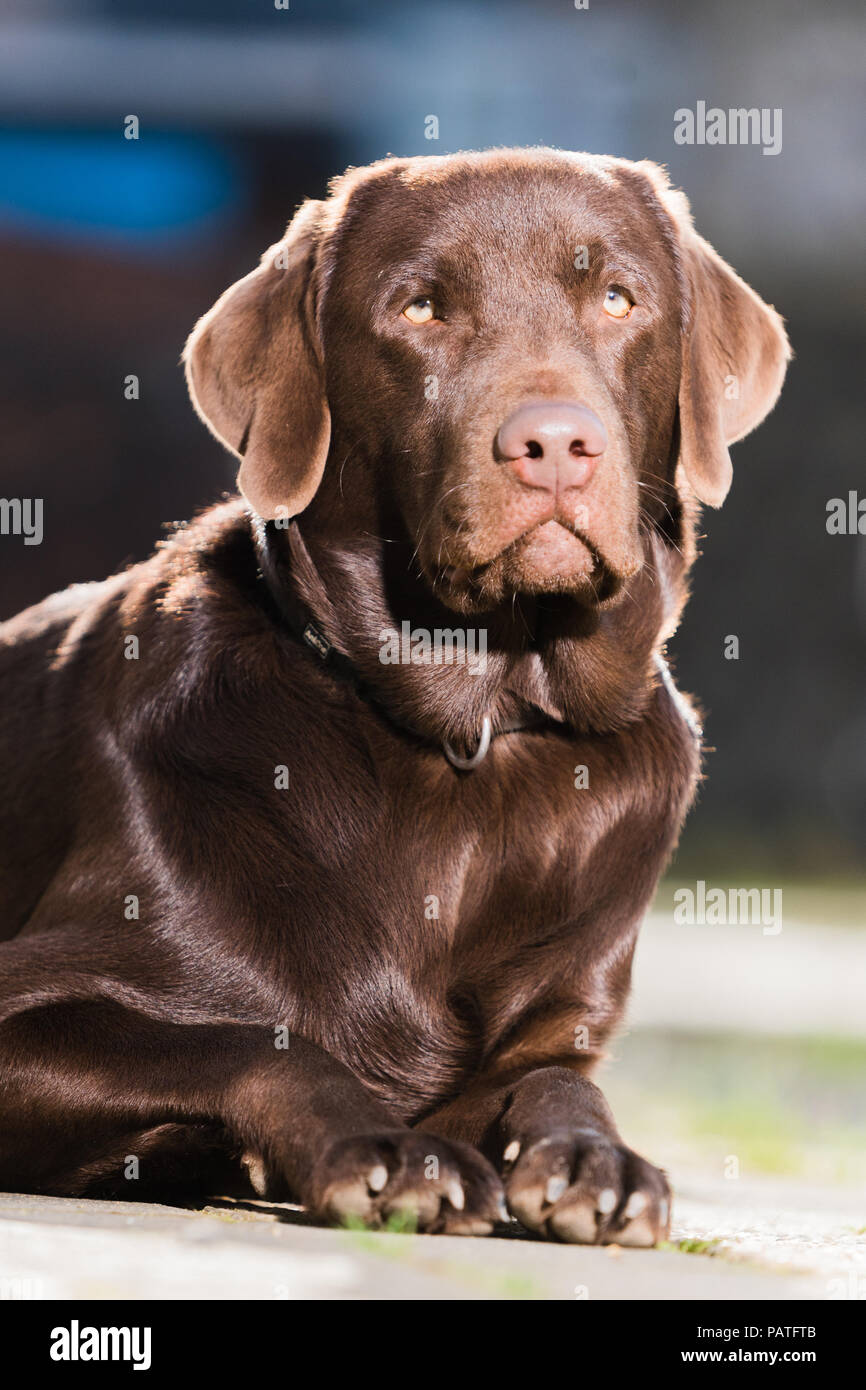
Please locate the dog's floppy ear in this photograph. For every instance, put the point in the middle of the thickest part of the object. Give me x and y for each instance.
(255, 374)
(735, 352)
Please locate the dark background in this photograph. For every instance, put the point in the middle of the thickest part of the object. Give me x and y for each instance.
(110, 249)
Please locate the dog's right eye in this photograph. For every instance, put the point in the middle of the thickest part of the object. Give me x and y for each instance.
(617, 304)
(420, 311)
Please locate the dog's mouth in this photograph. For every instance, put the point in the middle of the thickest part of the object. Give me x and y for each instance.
(547, 558)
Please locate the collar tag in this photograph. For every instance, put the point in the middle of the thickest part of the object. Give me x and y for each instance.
(317, 640)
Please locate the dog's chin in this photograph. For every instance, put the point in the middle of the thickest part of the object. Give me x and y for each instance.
(552, 559)
(549, 559)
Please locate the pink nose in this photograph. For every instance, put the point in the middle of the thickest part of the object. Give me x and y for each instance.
(552, 444)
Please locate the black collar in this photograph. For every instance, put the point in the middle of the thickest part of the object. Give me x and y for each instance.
(297, 618)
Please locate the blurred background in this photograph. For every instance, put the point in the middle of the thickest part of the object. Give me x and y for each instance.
(112, 247)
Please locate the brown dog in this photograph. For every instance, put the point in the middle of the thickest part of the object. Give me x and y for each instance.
(326, 841)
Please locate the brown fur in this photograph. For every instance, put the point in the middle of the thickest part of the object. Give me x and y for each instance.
(305, 908)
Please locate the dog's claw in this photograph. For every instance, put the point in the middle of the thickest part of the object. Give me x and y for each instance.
(378, 1178)
(456, 1196)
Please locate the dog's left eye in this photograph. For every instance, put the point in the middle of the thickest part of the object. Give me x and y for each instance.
(617, 304)
(420, 311)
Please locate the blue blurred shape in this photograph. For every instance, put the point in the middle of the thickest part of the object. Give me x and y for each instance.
(100, 186)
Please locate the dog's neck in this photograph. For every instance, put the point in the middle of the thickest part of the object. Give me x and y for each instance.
(530, 660)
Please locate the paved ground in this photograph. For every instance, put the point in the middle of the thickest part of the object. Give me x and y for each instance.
(55, 1248)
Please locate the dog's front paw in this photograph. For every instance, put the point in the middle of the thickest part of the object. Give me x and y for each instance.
(431, 1184)
(580, 1186)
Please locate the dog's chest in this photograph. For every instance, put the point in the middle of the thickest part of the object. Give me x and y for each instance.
(432, 909)
(422, 857)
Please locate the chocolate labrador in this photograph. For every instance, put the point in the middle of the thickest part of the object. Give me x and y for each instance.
(328, 830)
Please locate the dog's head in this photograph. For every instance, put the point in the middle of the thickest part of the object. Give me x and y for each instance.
(520, 352)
